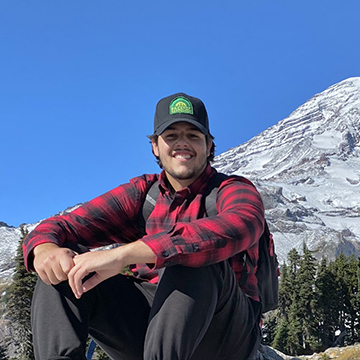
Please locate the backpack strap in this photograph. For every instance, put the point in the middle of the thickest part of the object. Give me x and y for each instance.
(150, 200)
(148, 206)
(211, 193)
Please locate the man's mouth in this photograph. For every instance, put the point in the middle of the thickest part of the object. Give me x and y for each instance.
(182, 156)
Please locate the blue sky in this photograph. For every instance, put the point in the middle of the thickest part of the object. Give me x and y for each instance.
(79, 81)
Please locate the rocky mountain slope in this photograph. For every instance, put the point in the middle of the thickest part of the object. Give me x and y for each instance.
(307, 168)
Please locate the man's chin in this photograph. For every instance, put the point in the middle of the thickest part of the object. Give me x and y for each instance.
(183, 175)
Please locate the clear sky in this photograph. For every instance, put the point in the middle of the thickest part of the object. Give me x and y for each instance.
(79, 81)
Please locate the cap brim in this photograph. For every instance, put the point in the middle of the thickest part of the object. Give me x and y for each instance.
(166, 124)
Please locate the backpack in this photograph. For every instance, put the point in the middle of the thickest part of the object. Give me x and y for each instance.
(267, 272)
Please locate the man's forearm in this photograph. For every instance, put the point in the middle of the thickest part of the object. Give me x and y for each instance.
(137, 253)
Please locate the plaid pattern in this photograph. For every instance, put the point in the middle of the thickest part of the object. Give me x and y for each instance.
(176, 231)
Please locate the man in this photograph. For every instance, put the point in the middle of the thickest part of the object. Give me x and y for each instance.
(182, 300)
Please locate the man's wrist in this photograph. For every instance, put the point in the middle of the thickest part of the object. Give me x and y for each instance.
(43, 247)
(136, 253)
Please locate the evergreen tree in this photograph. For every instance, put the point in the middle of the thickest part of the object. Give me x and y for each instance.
(358, 298)
(339, 268)
(281, 339)
(269, 327)
(326, 304)
(285, 292)
(19, 303)
(294, 340)
(288, 329)
(294, 265)
(306, 303)
(351, 282)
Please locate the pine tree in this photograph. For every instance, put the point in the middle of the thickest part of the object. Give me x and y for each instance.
(294, 340)
(339, 268)
(285, 292)
(269, 327)
(288, 329)
(19, 303)
(358, 298)
(326, 304)
(306, 303)
(351, 282)
(294, 265)
(276, 326)
(281, 339)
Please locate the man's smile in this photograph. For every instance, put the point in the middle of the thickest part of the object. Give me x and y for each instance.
(182, 155)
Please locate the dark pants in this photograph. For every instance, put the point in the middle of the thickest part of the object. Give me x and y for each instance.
(192, 314)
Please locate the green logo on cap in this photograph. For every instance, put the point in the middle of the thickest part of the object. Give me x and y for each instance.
(181, 105)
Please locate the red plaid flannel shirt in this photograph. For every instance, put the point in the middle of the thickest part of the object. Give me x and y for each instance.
(176, 231)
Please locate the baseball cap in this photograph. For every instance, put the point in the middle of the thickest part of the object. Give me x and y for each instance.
(180, 107)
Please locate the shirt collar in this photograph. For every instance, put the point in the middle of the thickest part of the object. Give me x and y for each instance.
(198, 186)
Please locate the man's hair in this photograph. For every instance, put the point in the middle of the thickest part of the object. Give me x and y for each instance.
(207, 138)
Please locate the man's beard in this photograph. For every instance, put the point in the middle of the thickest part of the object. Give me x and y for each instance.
(188, 175)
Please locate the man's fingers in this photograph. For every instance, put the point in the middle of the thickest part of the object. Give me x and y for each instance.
(91, 283)
(49, 277)
(75, 276)
(67, 262)
(43, 276)
(59, 275)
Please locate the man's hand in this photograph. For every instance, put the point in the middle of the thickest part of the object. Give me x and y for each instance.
(105, 264)
(53, 263)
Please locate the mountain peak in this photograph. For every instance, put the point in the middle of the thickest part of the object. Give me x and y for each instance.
(326, 125)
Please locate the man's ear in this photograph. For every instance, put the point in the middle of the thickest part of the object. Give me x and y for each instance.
(155, 147)
(209, 146)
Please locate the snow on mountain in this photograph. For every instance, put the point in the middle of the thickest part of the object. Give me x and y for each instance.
(9, 240)
(307, 168)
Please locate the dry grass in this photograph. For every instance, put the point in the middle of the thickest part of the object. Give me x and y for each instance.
(346, 353)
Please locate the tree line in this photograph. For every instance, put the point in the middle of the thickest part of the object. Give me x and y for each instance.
(319, 304)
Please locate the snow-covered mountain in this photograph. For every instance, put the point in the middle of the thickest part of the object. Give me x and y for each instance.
(307, 168)
(9, 240)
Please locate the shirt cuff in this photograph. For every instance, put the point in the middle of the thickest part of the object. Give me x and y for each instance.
(163, 248)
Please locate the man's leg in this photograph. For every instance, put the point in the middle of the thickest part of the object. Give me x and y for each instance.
(115, 313)
(201, 314)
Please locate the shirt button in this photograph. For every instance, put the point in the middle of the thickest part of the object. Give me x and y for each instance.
(165, 254)
(196, 247)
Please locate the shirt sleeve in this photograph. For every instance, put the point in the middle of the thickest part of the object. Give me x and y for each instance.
(107, 219)
(237, 227)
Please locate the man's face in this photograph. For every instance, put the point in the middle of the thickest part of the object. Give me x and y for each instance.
(183, 152)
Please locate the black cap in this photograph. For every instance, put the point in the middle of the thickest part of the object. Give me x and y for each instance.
(180, 107)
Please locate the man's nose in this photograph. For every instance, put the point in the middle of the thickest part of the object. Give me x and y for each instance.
(182, 140)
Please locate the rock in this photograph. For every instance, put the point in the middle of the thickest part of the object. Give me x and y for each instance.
(268, 353)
